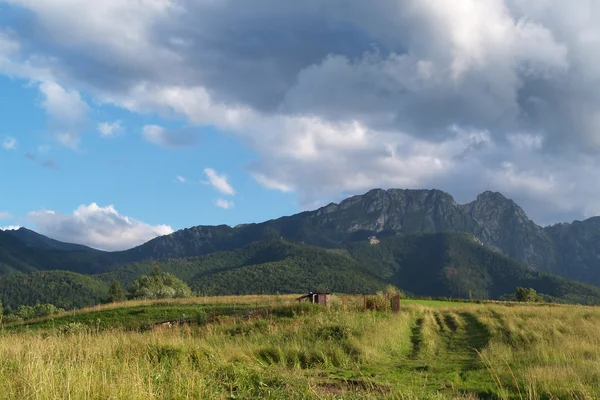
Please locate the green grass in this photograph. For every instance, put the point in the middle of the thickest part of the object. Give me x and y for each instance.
(430, 350)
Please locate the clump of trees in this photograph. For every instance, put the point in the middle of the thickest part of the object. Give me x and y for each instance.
(115, 293)
(527, 295)
(37, 311)
(159, 286)
(24, 313)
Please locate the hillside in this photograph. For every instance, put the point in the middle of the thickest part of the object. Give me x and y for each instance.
(448, 264)
(66, 290)
(457, 265)
(35, 240)
(263, 267)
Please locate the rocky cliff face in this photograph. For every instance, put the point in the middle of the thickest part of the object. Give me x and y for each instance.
(507, 228)
(495, 220)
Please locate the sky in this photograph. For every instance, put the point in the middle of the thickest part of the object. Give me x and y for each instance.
(124, 120)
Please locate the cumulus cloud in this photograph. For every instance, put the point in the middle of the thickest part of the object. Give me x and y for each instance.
(9, 143)
(181, 179)
(108, 129)
(5, 215)
(225, 204)
(458, 95)
(10, 228)
(98, 227)
(219, 182)
(168, 138)
(67, 112)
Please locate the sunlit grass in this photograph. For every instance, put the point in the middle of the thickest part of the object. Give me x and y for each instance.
(427, 351)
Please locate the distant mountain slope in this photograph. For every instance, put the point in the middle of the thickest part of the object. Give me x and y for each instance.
(262, 267)
(15, 256)
(569, 250)
(577, 249)
(498, 222)
(457, 265)
(18, 256)
(66, 290)
(34, 239)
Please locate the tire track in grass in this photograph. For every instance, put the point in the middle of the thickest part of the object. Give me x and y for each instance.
(477, 337)
(416, 337)
(454, 367)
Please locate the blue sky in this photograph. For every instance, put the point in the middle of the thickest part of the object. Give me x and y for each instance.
(124, 120)
(139, 178)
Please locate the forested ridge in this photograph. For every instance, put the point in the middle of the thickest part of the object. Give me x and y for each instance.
(448, 264)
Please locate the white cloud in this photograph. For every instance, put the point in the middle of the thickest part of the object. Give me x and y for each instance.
(67, 111)
(98, 227)
(108, 129)
(181, 179)
(9, 143)
(219, 182)
(225, 204)
(5, 215)
(10, 228)
(168, 138)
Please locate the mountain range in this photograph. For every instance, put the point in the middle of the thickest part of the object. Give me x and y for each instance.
(470, 238)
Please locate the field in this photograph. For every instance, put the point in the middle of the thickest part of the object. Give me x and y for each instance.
(266, 347)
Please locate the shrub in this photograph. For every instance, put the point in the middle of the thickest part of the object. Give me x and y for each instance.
(159, 286)
(115, 293)
(377, 302)
(201, 317)
(527, 295)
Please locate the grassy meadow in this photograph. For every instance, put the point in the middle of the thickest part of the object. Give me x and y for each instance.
(267, 347)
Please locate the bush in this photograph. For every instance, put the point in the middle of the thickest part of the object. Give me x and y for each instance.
(37, 311)
(527, 295)
(115, 293)
(392, 290)
(377, 302)
(201, 317)
(159, 286)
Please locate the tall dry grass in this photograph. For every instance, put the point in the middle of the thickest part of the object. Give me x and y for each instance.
(459, 351)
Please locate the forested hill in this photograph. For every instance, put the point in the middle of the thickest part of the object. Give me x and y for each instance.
(436, 265)
(458, 265)
(63, 289)
(262, 267)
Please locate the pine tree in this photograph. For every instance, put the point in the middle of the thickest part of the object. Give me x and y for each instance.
(115, 293)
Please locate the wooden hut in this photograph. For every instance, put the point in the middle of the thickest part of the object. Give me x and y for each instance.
(316, 298)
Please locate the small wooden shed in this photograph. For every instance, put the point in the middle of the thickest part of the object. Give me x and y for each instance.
(316, 298)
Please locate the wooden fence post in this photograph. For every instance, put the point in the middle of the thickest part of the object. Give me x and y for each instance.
(343, 303)
(365, 302)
